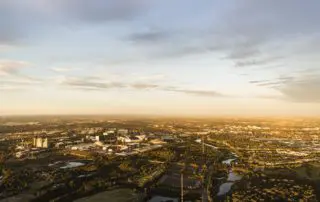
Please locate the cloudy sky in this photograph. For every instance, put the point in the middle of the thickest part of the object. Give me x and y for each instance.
(177, 57)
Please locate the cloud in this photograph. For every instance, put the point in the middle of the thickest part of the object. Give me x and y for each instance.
(20, 82)
(260, 29)
(19, 19)
(149, 36)
(279, 80)
(23, 81)
(96, 83)
(243, 53)
(206, 93)
(182, 51)
(91, 83)
(64, 69)
(12, 78)
(152, 77)
(252, 33)
(256, 62)
(303, 90)
(143, 86)
(98, 10)
(11, 67)
(242, 34)
(201, 93)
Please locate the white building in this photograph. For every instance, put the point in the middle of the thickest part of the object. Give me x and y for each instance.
(141, 137)
(132, 139)
(124, 139)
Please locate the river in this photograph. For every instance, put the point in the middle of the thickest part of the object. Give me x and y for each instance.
(232, 178)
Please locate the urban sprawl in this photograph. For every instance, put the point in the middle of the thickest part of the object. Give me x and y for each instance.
(89, 158)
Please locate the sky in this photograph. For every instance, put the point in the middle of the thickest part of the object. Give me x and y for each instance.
(160, 57)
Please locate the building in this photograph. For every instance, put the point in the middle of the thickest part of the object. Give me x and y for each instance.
(82, 147)
(45, 143)
(100, 138)
(40, 142)
(131, 139)
(123, 132)
(141, 137)
(110, 131)
(124, 139)
(167, 138)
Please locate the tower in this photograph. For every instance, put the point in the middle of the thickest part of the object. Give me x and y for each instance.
(202, 140)
(181, 186)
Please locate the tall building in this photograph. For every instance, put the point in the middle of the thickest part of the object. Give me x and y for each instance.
(45, 143)
(40, 142)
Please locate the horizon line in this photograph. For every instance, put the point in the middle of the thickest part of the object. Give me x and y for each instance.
(160, 115)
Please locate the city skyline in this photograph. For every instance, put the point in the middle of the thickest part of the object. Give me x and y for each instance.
(208, 58)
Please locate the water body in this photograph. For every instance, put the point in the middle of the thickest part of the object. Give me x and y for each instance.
(72, 165)
(225, 188)
(232, 178)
